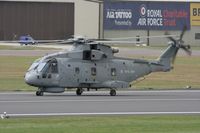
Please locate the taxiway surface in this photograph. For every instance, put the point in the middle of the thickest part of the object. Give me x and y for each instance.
(126, 102)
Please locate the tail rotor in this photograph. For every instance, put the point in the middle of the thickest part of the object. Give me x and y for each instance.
(179, 43)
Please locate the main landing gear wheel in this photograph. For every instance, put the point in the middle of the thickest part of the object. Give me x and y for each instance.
(113, 92)
(79, 91)
(39, 93)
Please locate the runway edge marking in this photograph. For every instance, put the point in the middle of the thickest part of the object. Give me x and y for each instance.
(104, 113)
(99, 100)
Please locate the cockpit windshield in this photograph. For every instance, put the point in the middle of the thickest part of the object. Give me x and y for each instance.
(41, 66)
(34, 65)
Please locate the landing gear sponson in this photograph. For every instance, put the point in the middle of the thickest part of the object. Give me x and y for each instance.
(79, 92)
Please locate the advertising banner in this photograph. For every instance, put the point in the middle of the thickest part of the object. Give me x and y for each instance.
(195, 14)
(146, 15)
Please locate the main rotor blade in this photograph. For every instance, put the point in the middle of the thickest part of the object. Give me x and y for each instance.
(170, 37)
(140, 37)
(119, 42)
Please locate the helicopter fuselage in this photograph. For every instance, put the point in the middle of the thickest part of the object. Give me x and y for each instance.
(91, 66)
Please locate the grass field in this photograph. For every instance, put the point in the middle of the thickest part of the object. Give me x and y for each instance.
(103, 124)
(186, 72)
(12, 70)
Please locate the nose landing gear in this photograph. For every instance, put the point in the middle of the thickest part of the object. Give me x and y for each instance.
(40, 92)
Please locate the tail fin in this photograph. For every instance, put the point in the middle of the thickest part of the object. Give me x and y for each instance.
(168, 57)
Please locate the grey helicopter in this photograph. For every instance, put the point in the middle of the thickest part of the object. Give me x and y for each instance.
(91, 64)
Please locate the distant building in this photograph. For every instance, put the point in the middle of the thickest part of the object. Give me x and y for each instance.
(48, 19)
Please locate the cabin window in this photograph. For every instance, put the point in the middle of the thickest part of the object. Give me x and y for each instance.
(44, 75)
(93, 46)
(93, 71)
(77, 70)
(113, 72)
(87, 55)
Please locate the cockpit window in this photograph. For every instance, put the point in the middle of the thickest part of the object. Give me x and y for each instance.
(49, 67)
(54, 67)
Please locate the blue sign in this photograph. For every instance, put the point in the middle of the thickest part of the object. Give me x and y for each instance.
(146, 15)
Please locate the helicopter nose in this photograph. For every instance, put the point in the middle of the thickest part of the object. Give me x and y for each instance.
(30, 78)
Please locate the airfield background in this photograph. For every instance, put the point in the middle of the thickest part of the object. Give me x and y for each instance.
(56, 19)
(142, 18)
